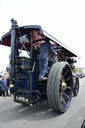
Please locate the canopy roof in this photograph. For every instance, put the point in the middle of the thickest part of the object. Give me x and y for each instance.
(25, 30)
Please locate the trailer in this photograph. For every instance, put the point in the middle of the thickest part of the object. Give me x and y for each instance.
(61, 83)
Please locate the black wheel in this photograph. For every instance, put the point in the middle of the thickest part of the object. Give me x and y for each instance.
(76, 86)
(59, 86)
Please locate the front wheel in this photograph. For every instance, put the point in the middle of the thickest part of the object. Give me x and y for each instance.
(59, 86)
(76, 86)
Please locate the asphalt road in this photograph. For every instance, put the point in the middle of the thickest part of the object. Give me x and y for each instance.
(15, 115)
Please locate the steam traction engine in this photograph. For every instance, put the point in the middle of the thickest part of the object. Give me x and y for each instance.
(61, 83)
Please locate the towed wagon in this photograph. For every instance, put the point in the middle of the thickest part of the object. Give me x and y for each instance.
(61, 82)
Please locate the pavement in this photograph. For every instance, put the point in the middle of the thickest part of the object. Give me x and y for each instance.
(15, 115)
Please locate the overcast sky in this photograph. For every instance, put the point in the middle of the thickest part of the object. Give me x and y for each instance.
(63, 19)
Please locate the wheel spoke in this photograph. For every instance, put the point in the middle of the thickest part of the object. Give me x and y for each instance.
(65, 72)
(67, 79)
(66, 95)
(63, 101)
(61, 81)
(68, 87)
(62, 77)
(77, 86)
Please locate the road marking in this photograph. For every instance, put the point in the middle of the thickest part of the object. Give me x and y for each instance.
(23, 109)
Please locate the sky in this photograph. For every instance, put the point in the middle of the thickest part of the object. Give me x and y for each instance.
(63, 19)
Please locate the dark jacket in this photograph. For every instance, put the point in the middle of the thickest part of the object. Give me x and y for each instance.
(3, 84)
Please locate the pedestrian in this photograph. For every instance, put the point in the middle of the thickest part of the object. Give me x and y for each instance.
(0, 90)
(4, 88)
(8, 80)
(0, 85)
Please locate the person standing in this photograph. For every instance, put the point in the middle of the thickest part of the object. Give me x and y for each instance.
(43, 58)
(4, 88)
(0, 85)
(45, 47)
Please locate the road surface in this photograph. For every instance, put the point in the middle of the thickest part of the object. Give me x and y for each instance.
(14, 115)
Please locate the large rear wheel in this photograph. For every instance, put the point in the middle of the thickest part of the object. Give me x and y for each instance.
(59, 86)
